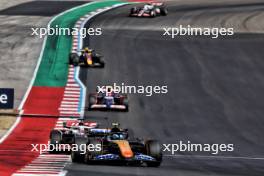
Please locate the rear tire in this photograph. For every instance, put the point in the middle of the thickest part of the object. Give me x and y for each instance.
(100, 61)
(78, 156)
(125, 102)
(92, 100)
(133, 10)
(55, 139)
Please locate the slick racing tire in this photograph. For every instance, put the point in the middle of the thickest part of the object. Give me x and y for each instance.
(74, 59)
(152, 13)
(102, 63)
(163, 11)
(55, 139)
(77, 155)
(92, 153)
(154, 150)
(133, 10)
(97, 58)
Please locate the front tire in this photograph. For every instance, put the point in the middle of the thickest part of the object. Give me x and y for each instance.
(153, 149)
(90, 154)
(76, 157)
(74, 59)
(164, 11)
(152, 13)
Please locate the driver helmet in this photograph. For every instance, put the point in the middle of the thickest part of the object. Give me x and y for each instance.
(121, 136)
(115, 136)
(86, 49)
(115, 128)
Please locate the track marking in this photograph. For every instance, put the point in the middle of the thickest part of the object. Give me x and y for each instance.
(215, 157)
(71, 92)
(44, 165)
(71, 105)
(72, 95)
(70, 88)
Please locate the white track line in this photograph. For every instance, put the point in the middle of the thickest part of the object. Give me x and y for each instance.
(71, 88)
(42, 164)
(33, 79)
(72, 92)
(69, 103)
(215, 157)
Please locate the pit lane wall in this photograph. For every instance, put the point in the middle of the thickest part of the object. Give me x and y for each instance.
(45, 94)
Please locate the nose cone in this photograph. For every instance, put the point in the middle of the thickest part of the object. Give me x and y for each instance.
(90, 62)
(125, 148)
(128, 154)
(108, 104)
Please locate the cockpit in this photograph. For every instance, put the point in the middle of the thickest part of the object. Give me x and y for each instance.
(117, 136)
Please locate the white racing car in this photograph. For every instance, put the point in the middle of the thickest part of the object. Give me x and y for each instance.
(149, 10)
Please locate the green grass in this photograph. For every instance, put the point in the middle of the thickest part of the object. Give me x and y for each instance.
(53, 70)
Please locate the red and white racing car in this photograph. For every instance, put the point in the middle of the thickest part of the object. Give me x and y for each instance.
(151, 9)
(67, 134)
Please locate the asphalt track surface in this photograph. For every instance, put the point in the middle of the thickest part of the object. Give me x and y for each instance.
(215, 89)
(40, 8)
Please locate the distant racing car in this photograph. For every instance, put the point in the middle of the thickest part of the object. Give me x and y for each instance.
(108, 100)
(118, 146)
(67, 134)
(149, 10)
(86, 57)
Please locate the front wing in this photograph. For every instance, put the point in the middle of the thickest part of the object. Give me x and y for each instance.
(138, 15)
(139, 157)
(103, 106)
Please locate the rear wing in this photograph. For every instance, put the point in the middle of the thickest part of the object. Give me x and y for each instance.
(73, 123)
(157, 3)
